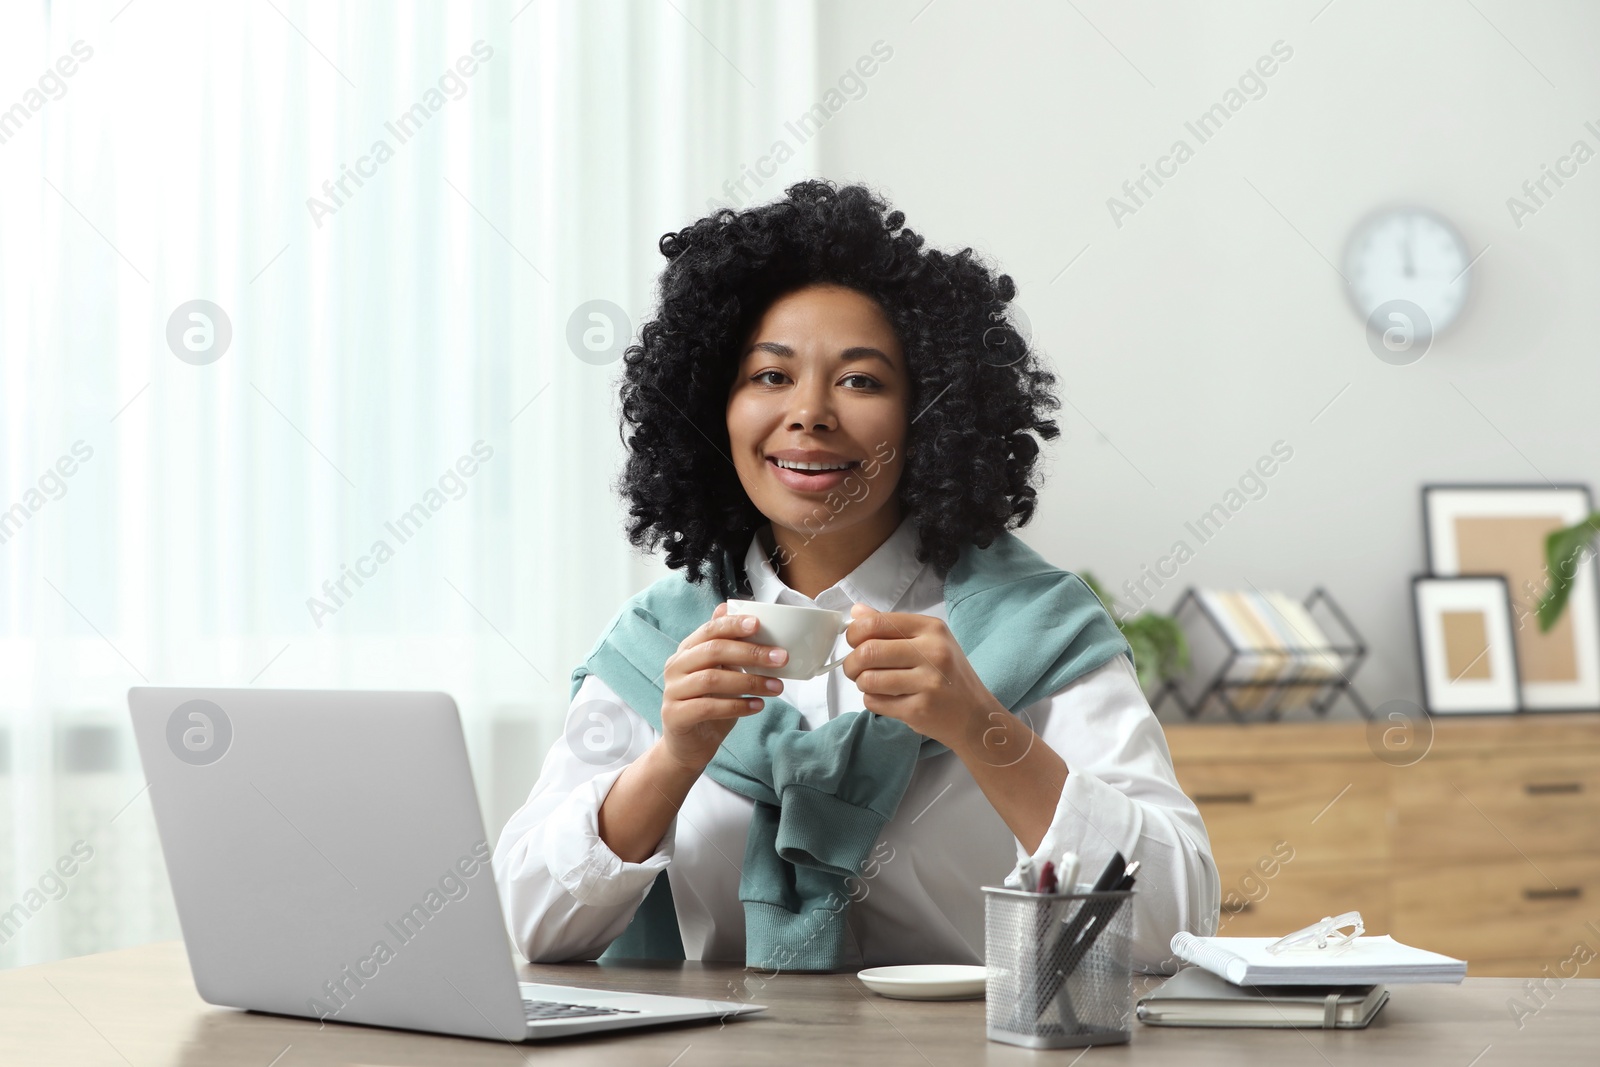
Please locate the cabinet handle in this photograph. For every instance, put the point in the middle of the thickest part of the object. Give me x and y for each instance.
(1225, 798)
(1571, 892)
(1540, 789)
(1239, 908)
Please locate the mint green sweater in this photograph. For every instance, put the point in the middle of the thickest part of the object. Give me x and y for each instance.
(823, 796)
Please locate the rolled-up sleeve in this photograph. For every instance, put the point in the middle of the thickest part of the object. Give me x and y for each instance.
(1122, 795)
(566, 894)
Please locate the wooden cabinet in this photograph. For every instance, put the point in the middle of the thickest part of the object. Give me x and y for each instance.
(1486, 848)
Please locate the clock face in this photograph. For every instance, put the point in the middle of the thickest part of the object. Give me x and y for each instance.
(1407, 256)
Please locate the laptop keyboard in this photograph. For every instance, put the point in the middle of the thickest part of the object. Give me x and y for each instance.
(544, 1010)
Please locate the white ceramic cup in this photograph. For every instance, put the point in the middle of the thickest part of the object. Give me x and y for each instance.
(807, 634)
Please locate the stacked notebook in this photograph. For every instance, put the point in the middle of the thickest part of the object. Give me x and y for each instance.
(1237, 982)
(1367, 960)
(1196, 997)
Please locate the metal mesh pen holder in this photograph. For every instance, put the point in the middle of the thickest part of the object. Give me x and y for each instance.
(1060, 967)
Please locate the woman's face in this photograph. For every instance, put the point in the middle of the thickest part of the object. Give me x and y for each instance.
(821, 381)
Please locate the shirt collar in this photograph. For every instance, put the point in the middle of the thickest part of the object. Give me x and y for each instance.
(880, 581)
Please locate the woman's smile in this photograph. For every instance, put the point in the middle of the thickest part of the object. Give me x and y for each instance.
(810, 470)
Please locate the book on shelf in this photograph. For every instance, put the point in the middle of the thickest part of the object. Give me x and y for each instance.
(1274, 640)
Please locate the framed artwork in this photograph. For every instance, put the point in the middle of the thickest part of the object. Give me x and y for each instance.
(1464, 638)
(1501, 529)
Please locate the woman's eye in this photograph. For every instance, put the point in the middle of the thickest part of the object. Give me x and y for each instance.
(777, 377)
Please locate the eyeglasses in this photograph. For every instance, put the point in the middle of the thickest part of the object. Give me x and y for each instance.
(1334, 931)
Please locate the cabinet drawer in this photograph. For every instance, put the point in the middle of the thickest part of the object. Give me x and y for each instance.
(1330, 811)
(1298, 895)
(1501, 910)
(1495, 805)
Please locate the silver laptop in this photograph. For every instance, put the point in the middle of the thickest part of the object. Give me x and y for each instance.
(328, 860)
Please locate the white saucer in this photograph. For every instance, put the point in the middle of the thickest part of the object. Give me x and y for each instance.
(925, 981)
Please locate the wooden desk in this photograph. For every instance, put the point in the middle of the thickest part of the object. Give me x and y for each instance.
(138, 1007)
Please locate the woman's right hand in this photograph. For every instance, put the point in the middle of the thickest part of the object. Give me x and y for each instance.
(703, 696)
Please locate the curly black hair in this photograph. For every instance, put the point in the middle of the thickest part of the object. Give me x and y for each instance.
(970, 456)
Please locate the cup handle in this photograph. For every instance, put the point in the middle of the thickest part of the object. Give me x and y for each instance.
(826, 667)
(843, 626)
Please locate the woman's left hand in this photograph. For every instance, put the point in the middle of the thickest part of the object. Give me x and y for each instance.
(909, 667)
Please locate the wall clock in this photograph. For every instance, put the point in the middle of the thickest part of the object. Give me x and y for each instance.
(1407, 269)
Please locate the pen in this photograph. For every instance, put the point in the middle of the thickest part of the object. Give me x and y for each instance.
(1044, 883)
(1027, 874)
(1127, 877)
(1104, 911)
(1108, 880)
(1112, 874)
(1067, 872)
(1109, 877)
(1098, 921)
(1067, 945)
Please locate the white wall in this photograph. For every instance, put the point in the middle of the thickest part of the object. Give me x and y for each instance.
(1206, 327)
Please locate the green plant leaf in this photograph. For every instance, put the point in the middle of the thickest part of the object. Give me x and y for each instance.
(1160, 650)
(1146, 658)
(1174, 646)
(1562, 550)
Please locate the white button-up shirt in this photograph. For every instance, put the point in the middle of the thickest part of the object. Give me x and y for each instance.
(918, 901)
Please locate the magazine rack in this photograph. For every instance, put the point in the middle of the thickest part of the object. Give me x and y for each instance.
(1212, 681)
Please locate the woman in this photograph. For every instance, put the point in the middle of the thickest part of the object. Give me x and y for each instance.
(824, 413)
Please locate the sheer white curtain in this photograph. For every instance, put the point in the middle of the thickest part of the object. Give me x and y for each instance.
(398, 473)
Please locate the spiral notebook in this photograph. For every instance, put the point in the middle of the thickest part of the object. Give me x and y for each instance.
(1368, 960)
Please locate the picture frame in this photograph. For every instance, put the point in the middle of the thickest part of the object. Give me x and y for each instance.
(1501, 529)
(1465, 644)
